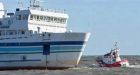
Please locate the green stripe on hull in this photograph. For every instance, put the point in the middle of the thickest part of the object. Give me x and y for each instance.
(39, 49)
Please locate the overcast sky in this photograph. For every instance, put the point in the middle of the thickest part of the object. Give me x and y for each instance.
(107, 20)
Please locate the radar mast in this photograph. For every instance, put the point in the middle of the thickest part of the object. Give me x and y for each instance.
(20, 4)
(35, 3)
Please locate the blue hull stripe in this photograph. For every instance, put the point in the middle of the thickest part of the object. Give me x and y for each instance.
(22, 49)
(52, 48)
(21, 52)
(37, 52)
(20, 60)
(66, 48)
(43, 43)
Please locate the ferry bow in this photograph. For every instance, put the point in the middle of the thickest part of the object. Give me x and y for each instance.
(38, 37)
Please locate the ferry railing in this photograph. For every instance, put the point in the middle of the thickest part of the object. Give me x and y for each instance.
(55, 11)
(49, 10)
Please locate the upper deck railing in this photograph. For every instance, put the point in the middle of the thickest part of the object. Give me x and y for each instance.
(36, 4)
(49, 10)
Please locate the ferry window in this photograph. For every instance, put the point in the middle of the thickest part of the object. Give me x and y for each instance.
(55, 19)
(31, 17)
(0, 23)
(51, 19)
(16, 32)
(58, 21)
(35, 32)
(45, 18)
(22, 32)
(34, 17)
(38, 28)
(3, 32)
(9, 22)
(25, 17)
(31, 32)
(48, 19)
(61, 20)
(37, 18)
(19, 17)
(64, 20)
(0, 33)
(41, 18)
(11, 33)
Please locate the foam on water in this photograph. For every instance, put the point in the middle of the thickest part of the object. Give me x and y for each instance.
(134, 66)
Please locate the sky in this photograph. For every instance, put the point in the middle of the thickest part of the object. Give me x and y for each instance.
(108, 21)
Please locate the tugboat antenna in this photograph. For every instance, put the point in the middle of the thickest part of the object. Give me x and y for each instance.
(116, 44)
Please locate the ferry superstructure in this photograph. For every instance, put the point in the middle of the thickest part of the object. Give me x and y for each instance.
(36, 37)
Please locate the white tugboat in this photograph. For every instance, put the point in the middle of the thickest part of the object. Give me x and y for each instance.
(38, 37)
(112, 59)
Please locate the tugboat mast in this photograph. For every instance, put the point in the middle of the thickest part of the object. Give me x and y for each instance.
(116, 46)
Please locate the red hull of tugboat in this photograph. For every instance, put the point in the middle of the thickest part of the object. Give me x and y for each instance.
(116, 64)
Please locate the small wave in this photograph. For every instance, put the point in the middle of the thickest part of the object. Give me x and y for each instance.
(134, 66)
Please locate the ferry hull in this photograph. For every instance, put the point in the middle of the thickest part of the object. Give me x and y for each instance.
(65, 50)
(54, 60)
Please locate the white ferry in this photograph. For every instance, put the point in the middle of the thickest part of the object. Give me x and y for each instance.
(38, 37)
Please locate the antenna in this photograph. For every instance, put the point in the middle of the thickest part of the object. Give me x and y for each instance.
(20, 4)
(35, 3)
(116, 44)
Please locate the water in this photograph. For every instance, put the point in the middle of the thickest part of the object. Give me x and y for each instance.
(85, 69)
